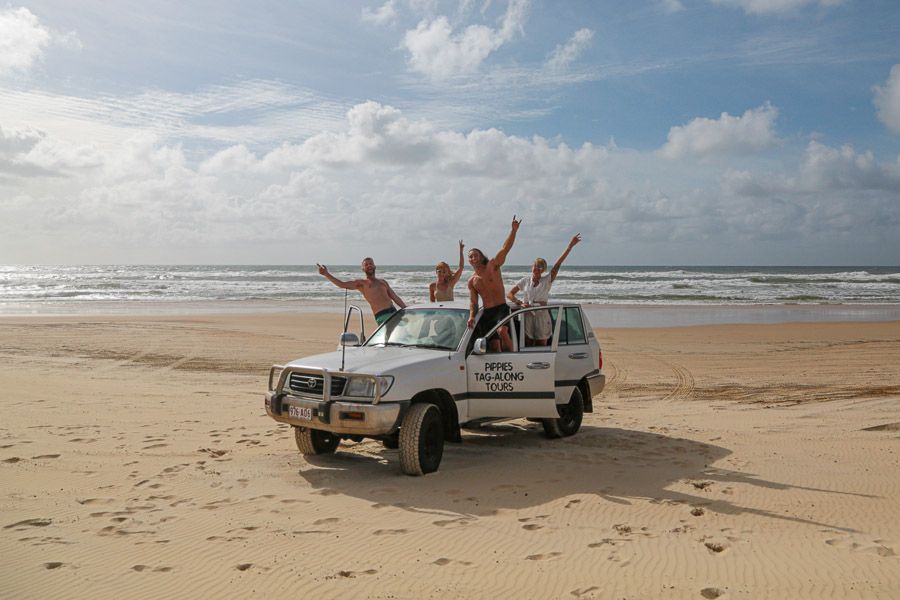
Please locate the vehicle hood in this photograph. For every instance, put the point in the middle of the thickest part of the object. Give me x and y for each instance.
(372, 361)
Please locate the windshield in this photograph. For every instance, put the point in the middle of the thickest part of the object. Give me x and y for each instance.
(438, 328)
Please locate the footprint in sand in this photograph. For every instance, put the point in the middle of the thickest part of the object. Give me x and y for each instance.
(45, 456)
(442, 562)
(11, 460)
(880, 547)
(546, 556)
(140, 568)
(390, 531)
(92, 501)
(532, 527)
(327, 520)
(29, 523)
(711, 593)
(716, 547)
(53, 565)
(579, 592)
(244, 566)
(351, 574)
(607, 542)
(459, 521)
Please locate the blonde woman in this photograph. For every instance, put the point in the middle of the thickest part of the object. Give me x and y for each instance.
(536, 289)
(442, 289)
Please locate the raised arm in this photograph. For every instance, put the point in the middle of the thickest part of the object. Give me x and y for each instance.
(462, 265)
(559, 261)
(500, 258)
(347, 285)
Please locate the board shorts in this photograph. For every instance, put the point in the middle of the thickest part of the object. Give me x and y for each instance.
(383, 315)
(490, 317)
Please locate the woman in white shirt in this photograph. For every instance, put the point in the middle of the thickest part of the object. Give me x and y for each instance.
(536, 292)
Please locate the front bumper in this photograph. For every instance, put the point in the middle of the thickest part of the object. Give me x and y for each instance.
(596, 383)
(335, 416)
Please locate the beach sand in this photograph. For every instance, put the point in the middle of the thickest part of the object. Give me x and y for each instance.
(731, 461)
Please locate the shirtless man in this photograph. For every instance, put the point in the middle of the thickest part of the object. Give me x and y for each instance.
(376, 291)
(487, 282)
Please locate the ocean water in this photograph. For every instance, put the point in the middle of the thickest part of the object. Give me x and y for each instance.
(53, 289)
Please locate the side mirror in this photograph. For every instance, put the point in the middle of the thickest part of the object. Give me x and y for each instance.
(480, 346)
(349, 339)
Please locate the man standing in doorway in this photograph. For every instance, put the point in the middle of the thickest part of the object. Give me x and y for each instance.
(487, 282)
(376, 291)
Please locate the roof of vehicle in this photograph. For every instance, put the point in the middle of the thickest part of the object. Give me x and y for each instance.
(457, 304)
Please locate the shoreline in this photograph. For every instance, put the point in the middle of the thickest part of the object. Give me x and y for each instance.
(600, 315)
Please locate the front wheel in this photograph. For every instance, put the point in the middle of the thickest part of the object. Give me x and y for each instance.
(315, 441)
(421, 440)
(570, 416)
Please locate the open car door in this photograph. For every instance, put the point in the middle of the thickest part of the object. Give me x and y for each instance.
(520, 383)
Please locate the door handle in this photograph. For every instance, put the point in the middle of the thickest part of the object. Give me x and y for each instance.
(579, 355)
(538, 365)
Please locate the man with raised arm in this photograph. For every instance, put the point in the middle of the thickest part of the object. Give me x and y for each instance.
(376, 291)
(487, 282)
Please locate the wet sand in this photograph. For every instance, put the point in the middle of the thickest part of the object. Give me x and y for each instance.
(730, 461)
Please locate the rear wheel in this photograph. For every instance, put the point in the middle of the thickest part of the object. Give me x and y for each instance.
(570, 416)
(421, 440)
(315, 441)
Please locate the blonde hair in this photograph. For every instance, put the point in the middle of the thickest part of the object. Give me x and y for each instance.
(540, 263)
(442, 265)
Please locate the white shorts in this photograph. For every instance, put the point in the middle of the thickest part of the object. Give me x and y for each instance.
(538, 325)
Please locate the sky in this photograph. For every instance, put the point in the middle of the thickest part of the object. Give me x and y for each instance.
(666, 132)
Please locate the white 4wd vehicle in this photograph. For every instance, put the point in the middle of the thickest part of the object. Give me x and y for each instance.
(421, 376)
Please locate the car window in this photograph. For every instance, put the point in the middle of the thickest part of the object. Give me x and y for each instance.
(530, 330)
(441, 329)
(572, 328)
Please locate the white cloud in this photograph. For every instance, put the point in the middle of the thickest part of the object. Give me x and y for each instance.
(386, 13)
(386, 177)
(22, 39)
(887, 100)
(439, 52)
(565, 54)
(703, 137)
(30, 153)
(826, 169)
(821, 170)
(253, 112)
(766, 7)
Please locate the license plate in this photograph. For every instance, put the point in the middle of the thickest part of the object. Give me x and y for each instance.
(300, 412)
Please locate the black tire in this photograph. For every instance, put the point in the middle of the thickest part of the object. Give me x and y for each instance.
(570, 417)
(315, 441)
(421, 440)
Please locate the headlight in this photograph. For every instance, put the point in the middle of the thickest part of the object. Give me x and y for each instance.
(364, 387)
(274, 376)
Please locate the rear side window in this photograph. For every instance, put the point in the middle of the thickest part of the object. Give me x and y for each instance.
(572, 331)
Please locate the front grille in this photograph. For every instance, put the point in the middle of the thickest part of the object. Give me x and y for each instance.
(313, 385)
